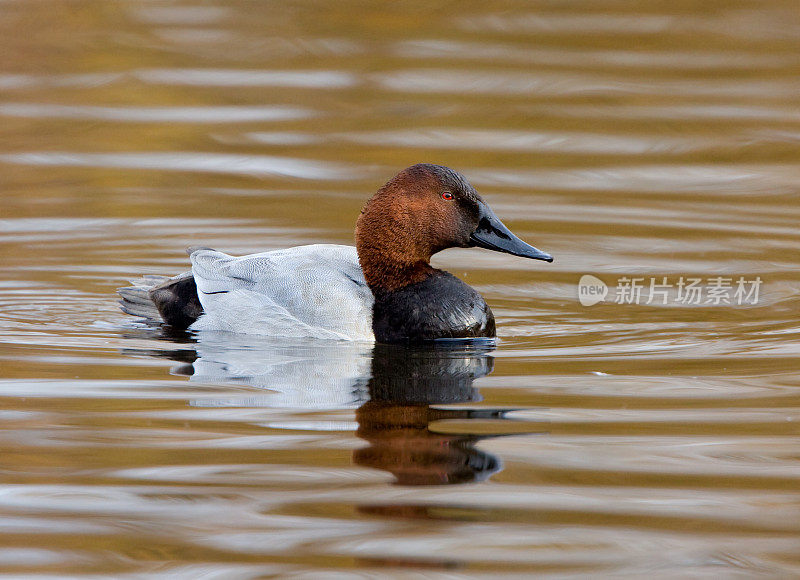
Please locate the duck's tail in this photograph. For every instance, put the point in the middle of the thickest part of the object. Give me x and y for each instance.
(136, 299)
(163, 299)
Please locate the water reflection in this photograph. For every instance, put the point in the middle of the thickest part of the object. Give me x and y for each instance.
(310, 375)
(396, 419)
(395, 391)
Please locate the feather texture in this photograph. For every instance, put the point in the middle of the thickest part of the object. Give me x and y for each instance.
(314, 291)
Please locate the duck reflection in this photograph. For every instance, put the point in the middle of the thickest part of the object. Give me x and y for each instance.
(399, 395)
(396, 420)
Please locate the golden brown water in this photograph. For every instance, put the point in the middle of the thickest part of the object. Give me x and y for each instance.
(630, 140)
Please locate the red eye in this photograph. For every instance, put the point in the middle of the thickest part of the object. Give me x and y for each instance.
(447, 195)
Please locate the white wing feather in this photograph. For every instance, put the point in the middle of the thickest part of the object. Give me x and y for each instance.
(307, 291)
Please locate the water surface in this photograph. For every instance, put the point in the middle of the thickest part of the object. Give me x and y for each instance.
(655, 142)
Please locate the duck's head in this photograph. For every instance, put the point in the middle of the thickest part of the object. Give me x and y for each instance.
(422, 210)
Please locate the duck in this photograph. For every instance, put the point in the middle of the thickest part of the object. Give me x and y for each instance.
(382, 290)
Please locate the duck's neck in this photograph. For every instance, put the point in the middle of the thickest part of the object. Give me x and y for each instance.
(392, 251)
(387, 271)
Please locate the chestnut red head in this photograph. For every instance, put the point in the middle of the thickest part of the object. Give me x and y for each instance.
(422, 210)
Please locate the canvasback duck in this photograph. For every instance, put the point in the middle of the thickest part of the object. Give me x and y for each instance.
(383, 289)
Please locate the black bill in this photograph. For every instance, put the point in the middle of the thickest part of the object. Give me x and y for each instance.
(492, 234)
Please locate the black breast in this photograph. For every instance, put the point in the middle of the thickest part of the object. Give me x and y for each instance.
(442, 306)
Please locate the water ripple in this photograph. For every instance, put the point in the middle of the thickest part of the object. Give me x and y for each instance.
(669, 60)
(555, 141)
(586, 23)
(182, 161)
(156, 114)
(741, 24)
(188, 15)
(707, 179)
(549, 84)
(29, 81)
(311, 79)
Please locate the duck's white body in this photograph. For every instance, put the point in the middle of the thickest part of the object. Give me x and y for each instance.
(315, 291)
